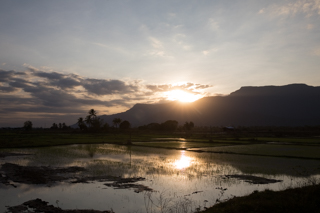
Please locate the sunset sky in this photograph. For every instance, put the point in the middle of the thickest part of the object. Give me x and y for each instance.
(60, 58)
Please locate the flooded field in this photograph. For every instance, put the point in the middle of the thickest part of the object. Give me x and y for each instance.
(149, 179)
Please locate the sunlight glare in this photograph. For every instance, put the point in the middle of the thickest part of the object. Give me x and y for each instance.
(181, 96)
(183, 162)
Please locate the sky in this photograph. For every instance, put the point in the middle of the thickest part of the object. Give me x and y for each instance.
(59, 59)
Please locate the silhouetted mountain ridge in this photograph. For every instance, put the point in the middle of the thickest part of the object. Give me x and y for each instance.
(288, 90)
(290, 105)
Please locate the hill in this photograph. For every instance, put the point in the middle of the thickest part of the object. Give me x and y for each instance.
(290, 105)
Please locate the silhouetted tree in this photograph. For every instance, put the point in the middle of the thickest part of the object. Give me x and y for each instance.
(105, 127)
(125, 125)
(60, 125)
(188, 126)
(54, 126)
(154, 126)
(169, 125)
(88, 120)
(64, 126)
(27, 125)
(92, 114)
(96, 123)
(81, 124)
(116, 121)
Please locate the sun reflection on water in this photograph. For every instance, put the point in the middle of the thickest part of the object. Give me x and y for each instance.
(183, 162)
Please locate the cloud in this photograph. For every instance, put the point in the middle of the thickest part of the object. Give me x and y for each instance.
(188, 87)
(310, 26)
(213, 24)
(7, 89)
(317, 52)
(107, 87)
(6, 75)
(293, 8)
(205, 52)
(157, 47)
(209, 51)
(62, 81)
(156, 43)
(53, 75)
(113, 48)
(34, 92)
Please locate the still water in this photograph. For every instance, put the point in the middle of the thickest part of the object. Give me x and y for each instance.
(182, 180)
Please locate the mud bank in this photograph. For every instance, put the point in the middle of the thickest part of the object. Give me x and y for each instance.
(38, 205)
(253, 179)
(11, 173)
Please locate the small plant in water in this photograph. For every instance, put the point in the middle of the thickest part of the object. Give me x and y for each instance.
(165, 204)
(221, 193)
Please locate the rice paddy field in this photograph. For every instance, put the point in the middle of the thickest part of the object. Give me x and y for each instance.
(166, 172)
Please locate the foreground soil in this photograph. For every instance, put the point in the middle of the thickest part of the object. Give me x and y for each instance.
(306, 199)
(38, 205)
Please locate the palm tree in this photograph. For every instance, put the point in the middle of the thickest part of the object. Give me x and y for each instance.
(116, 121)
(92, 113)
(88, 120)
(92, 116)
(81, 123)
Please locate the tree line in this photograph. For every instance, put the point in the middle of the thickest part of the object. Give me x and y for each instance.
(94, 123)
(169, 126)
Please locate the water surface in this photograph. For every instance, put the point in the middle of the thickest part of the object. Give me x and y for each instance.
(182, 180)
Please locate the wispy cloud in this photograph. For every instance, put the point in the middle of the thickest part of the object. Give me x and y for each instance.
(317, 51)
(188, 87)
(213, 24)
(156, 43)
(292, 8)
(310, 26)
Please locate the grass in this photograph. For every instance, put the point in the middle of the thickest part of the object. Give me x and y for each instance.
(49, 138)
(178, 145)
(38, 138)
(292, 140)
(305, 199)
(299, 151)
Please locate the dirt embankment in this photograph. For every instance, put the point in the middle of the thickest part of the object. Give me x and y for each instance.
(12, 173)
(38, 205)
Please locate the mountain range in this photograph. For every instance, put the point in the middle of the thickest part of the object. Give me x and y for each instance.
(289, 105)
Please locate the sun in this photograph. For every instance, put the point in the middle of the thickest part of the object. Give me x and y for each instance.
(182, 96)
